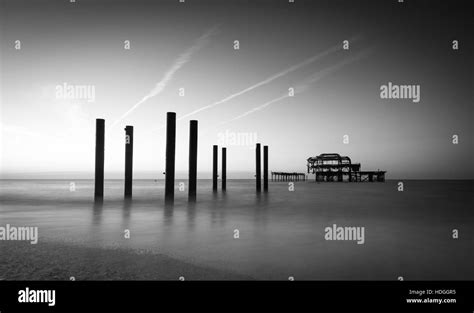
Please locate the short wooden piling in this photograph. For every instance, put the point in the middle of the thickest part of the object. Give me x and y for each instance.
(99, 158)
(170, 156)
(214, 167)
(265, 168)
(258, 168)
(128, 161)
(193, 146)
(224, 169)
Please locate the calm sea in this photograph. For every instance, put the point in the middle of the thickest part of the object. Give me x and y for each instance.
(281, 233)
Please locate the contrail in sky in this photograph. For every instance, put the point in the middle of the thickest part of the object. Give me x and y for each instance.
(331, 69)
(260, 107)
(179, 62)
(306, 83)
(269, 79)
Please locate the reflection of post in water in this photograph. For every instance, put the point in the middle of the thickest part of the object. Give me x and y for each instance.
(261, 200)
(217, 208)
(191, 214)
(168, 213)
(261, 209)
(126, 209)
(97, 211)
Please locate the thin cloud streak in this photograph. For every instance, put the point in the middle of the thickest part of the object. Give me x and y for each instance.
(260, 107)
(268, 80)
(331, 69)
(184, 58)
(306, 83)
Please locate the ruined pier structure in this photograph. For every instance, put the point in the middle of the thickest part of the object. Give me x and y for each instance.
(334, 167)
(285, 176)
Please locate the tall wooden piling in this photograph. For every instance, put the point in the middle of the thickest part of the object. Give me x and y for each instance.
(170, 155)
(193, 145)
(265, 168)
(258, 169)
(224, 169)
(99, 158)
(128, 161)
(214, 168)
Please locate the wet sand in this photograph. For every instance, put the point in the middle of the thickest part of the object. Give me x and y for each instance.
(55, 261)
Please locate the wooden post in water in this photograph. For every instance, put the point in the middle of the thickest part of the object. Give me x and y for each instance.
(265, 168)
(224, 168)
(128, 161)
(170, 155)
(214, 168)
(193, 146)
(258, 169)
(99, 158)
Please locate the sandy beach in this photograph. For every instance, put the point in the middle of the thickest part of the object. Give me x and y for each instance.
(56, 261)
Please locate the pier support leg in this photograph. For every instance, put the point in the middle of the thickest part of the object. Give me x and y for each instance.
(265, 168)
(258, 169)
(128, 161)
(214, 168)
(224, 169)
(193, 147)
(99, 158)
(170, 156)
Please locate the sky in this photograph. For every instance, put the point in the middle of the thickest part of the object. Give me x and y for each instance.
(235, 93)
